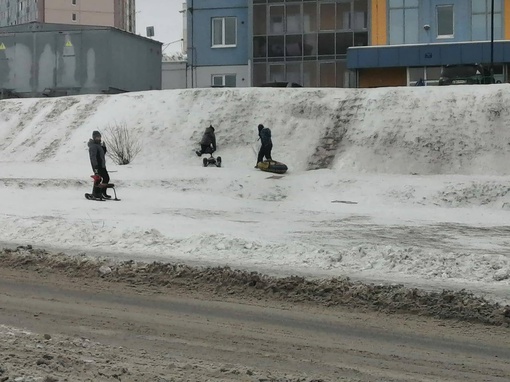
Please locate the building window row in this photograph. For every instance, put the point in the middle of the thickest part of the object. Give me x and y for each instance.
(429, 75)
(308, 73)
(445, 21)
(279, 19)
(314, 44)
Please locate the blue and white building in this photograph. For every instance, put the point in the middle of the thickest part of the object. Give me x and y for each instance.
(217, 36)
(251, 42)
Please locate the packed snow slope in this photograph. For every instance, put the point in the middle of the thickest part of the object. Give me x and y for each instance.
(394, 184)
(424, 130)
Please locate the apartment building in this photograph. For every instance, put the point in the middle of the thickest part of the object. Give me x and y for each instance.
(217, 43)
(114, 13)
(412, 40)
(46, 59)
(252, 42)
(306, 41)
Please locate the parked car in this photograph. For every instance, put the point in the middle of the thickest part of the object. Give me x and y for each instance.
(467, 74)
(281, 85)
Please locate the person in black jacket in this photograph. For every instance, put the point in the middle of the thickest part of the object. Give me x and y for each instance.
(208, 142)
(97, 151)
(266, 144)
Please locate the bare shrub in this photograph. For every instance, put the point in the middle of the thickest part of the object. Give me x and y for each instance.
(121, 144)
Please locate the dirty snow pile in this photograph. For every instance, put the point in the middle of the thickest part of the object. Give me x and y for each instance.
(393, 185)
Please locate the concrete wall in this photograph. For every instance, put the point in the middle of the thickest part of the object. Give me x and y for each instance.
(174, 75)
(79, 61)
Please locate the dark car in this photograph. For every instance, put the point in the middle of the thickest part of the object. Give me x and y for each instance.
(280, 85)
(465, 75)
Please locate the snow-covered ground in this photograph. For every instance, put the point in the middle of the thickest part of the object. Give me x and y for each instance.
(396, 185)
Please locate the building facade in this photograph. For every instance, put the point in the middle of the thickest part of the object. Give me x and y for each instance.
(306, 41)
(252, 42)
(217, 43)
(114, 13)
(412, 40)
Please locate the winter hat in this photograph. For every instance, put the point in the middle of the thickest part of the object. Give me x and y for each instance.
(96, 134)
(261, 126)
(211, 127)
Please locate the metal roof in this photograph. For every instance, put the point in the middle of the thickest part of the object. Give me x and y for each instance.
(36, 26)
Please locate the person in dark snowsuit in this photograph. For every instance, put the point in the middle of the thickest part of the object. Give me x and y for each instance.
(266, 144)
(208, 142)
(97, 151)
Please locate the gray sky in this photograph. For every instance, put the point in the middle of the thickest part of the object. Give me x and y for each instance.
(165, 17)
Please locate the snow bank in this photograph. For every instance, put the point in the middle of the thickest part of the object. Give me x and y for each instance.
(409, 184)
(425, 130)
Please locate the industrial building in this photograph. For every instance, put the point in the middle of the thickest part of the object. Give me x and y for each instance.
(55, 59)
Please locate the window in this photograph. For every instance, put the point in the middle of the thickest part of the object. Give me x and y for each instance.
(309, 17)
(276, 46)
(224, 80)
(224, 32)
(428, 76)
(360, 15)
(276, 73)
(259, 74)
(293, 23)
(293, 72)
(403, 22)
(74, 2)
(327, 16)
(444, 21)
(294, 45)
(259, 14)
(276, 19)
(74, 17)
(343, 16)
(327, 77)
(326, 44)
(259, 46)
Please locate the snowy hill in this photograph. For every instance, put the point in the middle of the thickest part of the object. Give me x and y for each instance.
(395, 184)
(422, 130)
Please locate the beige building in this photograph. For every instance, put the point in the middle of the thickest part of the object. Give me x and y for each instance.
(113, 13)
